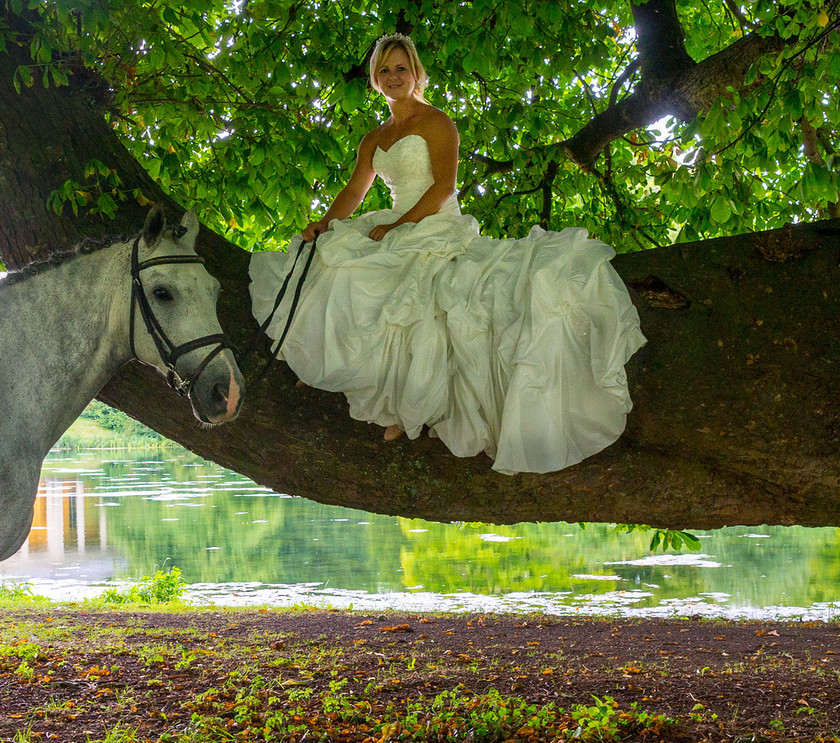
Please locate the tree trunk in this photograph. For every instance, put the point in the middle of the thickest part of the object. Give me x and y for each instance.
(736, 418)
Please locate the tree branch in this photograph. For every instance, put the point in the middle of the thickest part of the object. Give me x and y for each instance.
(691, 91)
(626, 74)
(548, 193)
(661, 42)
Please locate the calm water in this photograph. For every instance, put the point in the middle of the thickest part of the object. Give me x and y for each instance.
(104, 516)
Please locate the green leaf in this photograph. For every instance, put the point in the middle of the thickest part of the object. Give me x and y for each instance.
(23, 76)
(721, 211)
(793, 103)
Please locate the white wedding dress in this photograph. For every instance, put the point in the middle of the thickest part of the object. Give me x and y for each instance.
(515, 348)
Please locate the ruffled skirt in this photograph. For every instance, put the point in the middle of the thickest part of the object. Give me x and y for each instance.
(515, 348)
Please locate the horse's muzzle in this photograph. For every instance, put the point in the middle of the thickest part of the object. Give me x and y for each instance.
(217, 394)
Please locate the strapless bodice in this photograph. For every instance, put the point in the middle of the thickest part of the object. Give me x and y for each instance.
(406, 168)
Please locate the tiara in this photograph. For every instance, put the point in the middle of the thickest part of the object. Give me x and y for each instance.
(394, 37)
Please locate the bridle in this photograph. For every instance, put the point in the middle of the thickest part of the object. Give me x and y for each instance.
(169, 352)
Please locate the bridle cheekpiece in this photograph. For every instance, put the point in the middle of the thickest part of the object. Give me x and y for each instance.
(169, 352)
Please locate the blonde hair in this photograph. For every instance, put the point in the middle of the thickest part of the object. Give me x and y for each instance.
(384, 47)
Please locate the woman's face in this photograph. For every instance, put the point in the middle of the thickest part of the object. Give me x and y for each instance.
(394, 78)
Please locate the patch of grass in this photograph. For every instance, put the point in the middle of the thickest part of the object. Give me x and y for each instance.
(12, 592)
(23, 736)
(117, 734)
(163, 587)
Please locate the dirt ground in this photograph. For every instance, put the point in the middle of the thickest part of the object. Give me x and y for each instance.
(74, 675)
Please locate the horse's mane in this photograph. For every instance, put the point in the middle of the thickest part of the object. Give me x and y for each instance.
(85, 246)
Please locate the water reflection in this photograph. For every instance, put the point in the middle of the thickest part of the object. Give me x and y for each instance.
(69, 529)
(109, 515)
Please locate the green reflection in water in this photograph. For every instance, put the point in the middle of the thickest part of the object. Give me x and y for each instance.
(219, 527)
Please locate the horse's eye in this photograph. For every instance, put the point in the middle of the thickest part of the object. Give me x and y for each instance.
(162, 293)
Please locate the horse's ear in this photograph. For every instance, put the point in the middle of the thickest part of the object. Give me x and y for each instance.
(189, 227)
(155, 222)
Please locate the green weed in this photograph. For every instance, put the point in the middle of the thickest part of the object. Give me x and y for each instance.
(25, 671)
(12, 592)
(117, 734)
(23, 736)
(26, 651)
(15, 591)
(597, 721)
(164, 587)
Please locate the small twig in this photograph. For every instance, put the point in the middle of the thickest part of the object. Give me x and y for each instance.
(739, 16)
(628, 73)
(493, 166)
(524, 192)
(589, 94)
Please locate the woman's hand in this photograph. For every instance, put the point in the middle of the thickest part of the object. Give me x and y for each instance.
(313, 229)
(378, 232)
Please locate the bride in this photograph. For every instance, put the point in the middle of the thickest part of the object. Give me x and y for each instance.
(511, 347)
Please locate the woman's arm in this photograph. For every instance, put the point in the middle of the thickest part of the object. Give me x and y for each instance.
(352, 194)
(442, 138)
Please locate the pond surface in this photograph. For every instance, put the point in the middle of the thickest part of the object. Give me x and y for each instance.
(104, 516)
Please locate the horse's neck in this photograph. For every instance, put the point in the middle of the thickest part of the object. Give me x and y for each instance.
(63, 336)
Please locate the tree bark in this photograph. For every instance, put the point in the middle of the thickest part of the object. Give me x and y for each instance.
(736, 420)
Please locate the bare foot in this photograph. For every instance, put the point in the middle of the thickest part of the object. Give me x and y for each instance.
(301, 385)
(392, 432)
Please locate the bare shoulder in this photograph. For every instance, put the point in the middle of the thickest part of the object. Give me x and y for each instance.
(438, 127)
(368, 145)
(370, 140)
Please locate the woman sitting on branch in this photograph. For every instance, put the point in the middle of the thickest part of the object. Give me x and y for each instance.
(511, 347)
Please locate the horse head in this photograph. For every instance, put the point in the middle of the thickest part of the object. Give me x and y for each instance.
(176, 298)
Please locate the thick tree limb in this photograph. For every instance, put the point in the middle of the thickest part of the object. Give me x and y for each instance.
(660, 40)
(734, 419)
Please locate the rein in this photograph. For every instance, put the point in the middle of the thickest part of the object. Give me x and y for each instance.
(275, 348)
(169, 352)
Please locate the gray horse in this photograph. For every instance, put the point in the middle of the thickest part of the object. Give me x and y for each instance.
(65, 330)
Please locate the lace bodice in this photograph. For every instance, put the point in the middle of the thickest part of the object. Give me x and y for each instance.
(407, 170)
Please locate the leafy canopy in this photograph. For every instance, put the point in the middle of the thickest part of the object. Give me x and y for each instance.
(252, 109)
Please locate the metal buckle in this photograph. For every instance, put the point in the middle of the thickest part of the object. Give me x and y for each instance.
(181, 386)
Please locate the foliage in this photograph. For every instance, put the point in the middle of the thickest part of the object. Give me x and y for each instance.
(664, 538)
(165, 586)
(15, 591)
(103, 427)
(252, 110)
(118, 422)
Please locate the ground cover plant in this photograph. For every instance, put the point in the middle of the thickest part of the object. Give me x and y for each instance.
(88, 674)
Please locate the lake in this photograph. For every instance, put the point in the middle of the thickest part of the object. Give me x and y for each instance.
(113, 516)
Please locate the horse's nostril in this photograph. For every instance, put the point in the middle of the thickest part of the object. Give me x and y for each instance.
(219, 395)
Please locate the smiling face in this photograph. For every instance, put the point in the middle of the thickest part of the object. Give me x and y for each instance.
(394, 78)
(396, 70)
